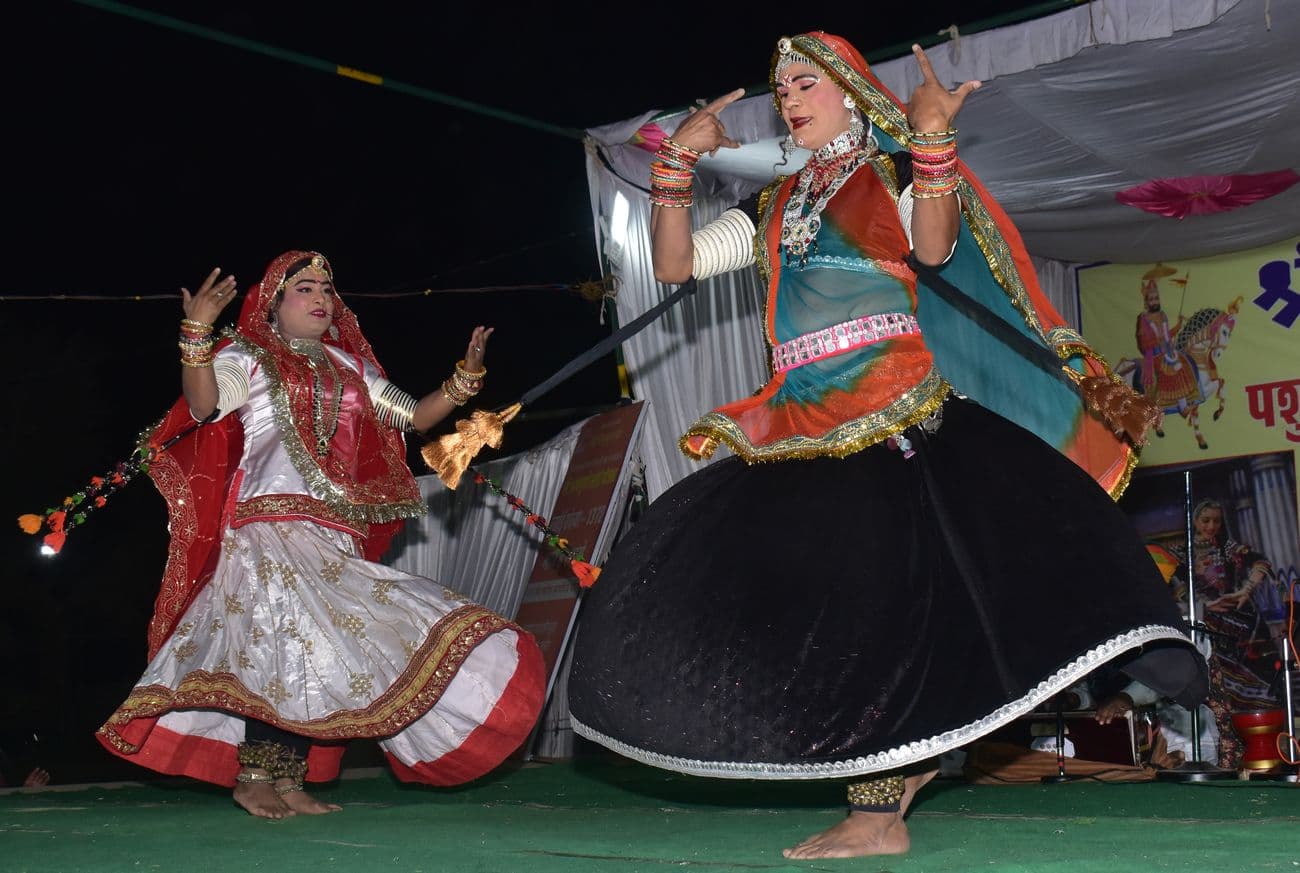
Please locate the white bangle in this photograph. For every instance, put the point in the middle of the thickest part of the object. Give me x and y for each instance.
(723, 245)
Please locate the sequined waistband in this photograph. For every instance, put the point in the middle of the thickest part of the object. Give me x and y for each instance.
(843, 337)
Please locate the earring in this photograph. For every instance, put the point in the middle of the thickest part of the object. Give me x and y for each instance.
(855, 126)
(848, 102)
(787, 146)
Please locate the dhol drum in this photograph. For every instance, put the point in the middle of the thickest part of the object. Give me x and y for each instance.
(1259, 730)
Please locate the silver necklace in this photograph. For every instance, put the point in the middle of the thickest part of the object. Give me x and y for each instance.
(801, 222)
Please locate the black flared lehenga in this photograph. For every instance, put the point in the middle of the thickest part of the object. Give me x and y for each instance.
(892, 566)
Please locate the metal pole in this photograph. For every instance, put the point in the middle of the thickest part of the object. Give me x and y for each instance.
(1194, 770)
(1197, 636)
(1287, 654)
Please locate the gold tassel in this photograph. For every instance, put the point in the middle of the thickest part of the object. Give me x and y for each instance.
(450, 455)
(1124, 411)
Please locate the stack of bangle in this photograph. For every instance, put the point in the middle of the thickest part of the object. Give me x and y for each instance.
(934, 163)
(196, 343)
(462, 384)
(672, 173)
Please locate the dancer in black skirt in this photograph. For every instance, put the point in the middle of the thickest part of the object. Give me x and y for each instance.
(930, 555)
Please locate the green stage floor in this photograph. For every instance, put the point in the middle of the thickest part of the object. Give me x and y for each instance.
(603, 815)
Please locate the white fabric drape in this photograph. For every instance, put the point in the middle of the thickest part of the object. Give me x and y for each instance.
(706, 350)
(1057, 279)
(472, 541)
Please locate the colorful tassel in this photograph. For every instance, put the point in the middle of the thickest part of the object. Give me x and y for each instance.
(586, 573)
(72, 512)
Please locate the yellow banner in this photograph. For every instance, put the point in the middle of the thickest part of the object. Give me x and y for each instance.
(1216, 343)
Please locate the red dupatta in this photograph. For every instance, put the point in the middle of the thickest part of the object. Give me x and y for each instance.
(194, 476)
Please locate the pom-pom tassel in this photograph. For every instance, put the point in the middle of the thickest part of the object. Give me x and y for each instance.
(31, 524)
(586, 573)
(450, 455)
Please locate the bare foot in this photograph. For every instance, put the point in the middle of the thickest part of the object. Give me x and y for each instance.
(911, 785)
(300, 801)
(862, 833)
(260, 799)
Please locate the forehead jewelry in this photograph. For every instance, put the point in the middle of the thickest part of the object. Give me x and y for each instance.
(318, 263)
(789, 55)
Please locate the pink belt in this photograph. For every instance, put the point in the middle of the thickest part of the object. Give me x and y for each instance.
(843, 337)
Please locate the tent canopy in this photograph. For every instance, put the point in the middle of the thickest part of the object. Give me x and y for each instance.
(1081, 106)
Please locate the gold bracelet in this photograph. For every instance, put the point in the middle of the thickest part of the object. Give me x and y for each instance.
(197, 325)
(453, 393)
(469, 386)
(460, 368)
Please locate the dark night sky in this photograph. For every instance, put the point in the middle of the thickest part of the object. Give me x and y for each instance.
(140, 157)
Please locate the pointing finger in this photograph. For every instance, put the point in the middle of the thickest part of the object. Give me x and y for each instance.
(927, 71)
(725, 100)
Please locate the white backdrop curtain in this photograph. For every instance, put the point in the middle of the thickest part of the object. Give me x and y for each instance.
(705, 351)
(472, 541)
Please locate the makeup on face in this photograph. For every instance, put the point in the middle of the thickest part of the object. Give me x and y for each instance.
(813, 108)
(308, 306)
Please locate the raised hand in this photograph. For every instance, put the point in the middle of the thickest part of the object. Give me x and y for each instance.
(205, 304)
(477, 348)
(703, 131)
(932, 107)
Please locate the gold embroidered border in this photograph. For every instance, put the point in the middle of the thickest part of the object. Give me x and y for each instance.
(183, 523)
(998, 255)
(1067, 348)
(1117, 490)
(281, 505)
(845, 439)
(762, 257)
(412, 694)
(334, 495)
(888, 173)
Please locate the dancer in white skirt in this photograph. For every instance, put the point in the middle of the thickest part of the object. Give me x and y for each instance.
(275, 636)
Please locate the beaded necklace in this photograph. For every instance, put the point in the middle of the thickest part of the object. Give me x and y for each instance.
(323, 424)
(826, 172)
